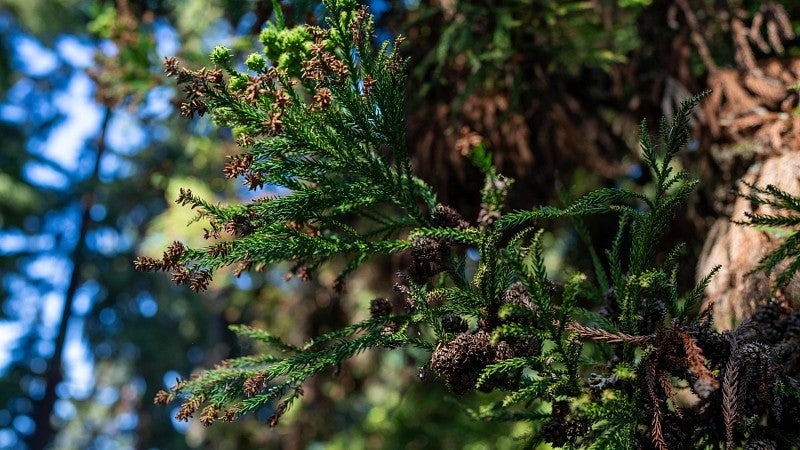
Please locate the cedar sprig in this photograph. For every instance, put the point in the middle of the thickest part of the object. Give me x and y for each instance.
(646, 295)
(784, 221)
(645, 227)
(255, 382)
(691, 298)
(352, 161)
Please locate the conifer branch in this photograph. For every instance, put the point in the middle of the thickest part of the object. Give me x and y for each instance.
(786, 221)
(320, 114)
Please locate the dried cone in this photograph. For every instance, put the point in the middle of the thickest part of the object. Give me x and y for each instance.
(461, 360)
(380, 307)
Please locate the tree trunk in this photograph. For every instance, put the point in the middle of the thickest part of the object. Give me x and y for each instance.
(54, 374)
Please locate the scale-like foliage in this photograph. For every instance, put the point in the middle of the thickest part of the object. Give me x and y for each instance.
(324, 121)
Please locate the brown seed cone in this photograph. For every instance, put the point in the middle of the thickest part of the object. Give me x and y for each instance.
(460, 361)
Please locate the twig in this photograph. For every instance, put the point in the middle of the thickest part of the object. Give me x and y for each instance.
(730, 388)
(600, 335)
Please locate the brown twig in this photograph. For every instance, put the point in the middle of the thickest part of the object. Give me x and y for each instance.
(706, 382)
(600, 335)
(695, 34)
(655, 430)
(730, 390)
(666, 385)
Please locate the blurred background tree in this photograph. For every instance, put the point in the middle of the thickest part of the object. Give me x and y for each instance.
(88, 167)
(94, 153)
